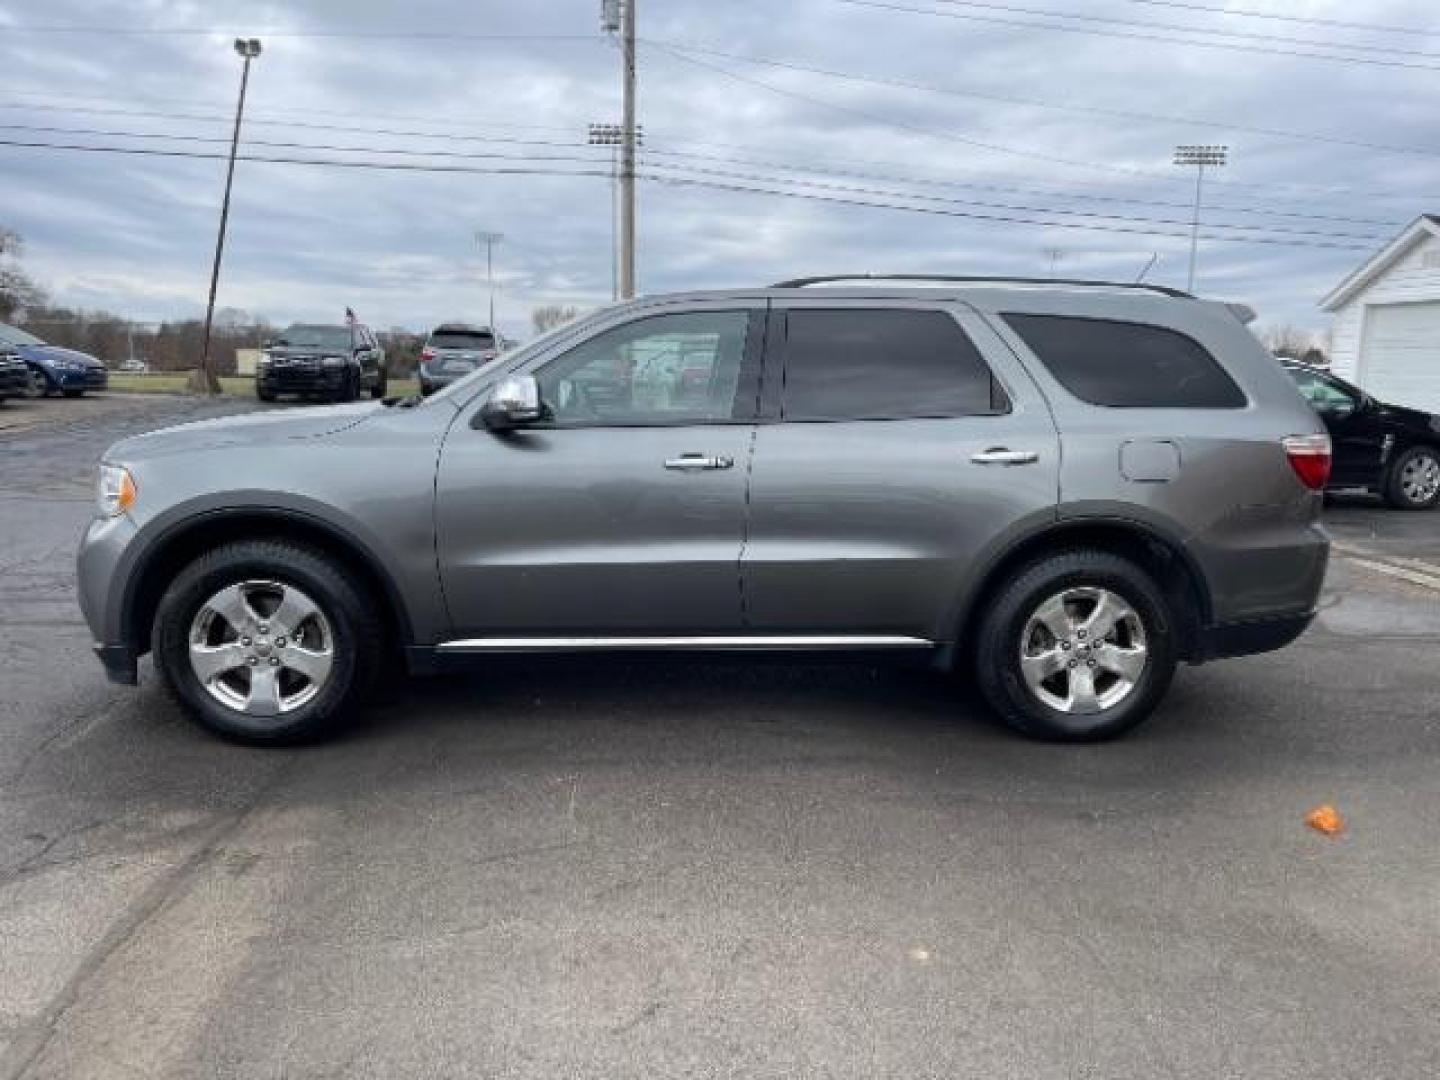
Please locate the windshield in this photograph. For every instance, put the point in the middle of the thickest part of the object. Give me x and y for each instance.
(315, 337)
(462, 339)
(10, 335)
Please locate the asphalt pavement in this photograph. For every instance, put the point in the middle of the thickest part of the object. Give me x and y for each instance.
(603, 869)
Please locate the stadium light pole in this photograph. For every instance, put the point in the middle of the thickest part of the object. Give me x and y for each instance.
(1199, 157)
(204, 381)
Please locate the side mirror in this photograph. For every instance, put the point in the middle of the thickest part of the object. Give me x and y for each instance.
(513, 403)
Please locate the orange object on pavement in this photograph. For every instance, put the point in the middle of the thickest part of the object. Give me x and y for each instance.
(1325, 819)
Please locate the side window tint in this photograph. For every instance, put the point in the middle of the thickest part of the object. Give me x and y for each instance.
(663, 369)
(1127, 365)
(882, 364)
(1320, 391)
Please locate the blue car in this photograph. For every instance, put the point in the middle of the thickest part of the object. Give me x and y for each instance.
(52, 369)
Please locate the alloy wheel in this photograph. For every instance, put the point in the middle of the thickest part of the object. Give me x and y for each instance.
(263, 648)
(1420, 478)
(1083, 650)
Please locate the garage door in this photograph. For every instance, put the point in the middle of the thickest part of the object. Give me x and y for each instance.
(1401, 364)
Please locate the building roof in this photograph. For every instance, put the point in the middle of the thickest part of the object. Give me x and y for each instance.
(1423, 226)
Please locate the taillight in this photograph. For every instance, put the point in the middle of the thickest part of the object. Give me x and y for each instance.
(1310, 458)
(427, 353)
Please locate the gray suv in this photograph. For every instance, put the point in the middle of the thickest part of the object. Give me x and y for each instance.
(1063, 487)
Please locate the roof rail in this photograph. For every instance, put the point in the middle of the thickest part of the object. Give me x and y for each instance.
(978, 279)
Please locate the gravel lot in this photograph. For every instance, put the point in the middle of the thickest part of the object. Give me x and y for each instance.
(613, 869)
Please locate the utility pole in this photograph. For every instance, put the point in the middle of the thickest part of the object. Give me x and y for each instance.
(627, 151)
(490, 239)
(611, 135)
(204, 380)
(1198, 156)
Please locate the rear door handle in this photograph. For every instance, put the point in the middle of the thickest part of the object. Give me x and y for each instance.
(698, 462)
(1000, 456)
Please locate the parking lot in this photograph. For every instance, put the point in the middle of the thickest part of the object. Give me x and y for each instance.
(592, 868)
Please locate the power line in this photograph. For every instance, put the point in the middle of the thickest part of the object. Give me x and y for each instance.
(1121, 114)
(200, 31)
(997, 20)
(1019, 208)
(1308, 20)
(46, 106)
(1007, 219)
(720, 159)
(526, 170)
(1242, 35)
(679, 53)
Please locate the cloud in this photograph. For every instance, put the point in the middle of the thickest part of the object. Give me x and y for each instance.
(135, 234)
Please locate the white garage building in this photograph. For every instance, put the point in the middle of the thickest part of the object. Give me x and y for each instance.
(1386, 334)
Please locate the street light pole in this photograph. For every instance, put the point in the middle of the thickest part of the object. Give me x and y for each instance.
(490, 239)
(1198, 156)
(204, 380)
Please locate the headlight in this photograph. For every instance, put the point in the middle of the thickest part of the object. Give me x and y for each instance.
(333, 361)
(117, 490)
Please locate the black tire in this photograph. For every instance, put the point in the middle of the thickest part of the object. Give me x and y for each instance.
(378, 390)
(264, 395)
(37, 386)
(1423, 458)
(72, 393)
(356, 632)
(1002, 636)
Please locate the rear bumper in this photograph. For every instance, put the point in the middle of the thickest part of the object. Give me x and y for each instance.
(1250, 637)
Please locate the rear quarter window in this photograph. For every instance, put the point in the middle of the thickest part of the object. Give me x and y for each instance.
(1126, 365)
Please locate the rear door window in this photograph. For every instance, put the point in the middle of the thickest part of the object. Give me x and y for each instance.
(1127, 365)
(882, 364)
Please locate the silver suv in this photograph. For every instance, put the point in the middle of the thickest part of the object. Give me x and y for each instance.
(1065, 487)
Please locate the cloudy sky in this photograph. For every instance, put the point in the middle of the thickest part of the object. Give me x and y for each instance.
(782, 137)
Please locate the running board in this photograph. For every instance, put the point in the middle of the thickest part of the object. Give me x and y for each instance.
(741, 643)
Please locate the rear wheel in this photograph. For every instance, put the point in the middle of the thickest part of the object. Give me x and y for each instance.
(266, 643)
(1413, 482)
(263, 394)
(350, 388)
(378, 390)
(72, 393)
(1077, 647)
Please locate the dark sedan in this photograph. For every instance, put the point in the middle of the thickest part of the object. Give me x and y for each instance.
(1388, 449)
(52, 369)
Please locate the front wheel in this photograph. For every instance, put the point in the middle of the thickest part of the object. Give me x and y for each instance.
(37, 386)
(265, 642)
(1413, 482)
(1076, 647)
(378, 390)
(72, 393)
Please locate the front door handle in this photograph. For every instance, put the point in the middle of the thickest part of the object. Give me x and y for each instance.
(698, 462)
(998, 455)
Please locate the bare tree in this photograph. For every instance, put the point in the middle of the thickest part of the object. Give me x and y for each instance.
(1286, 340)
(17, 291)
(550, 316)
